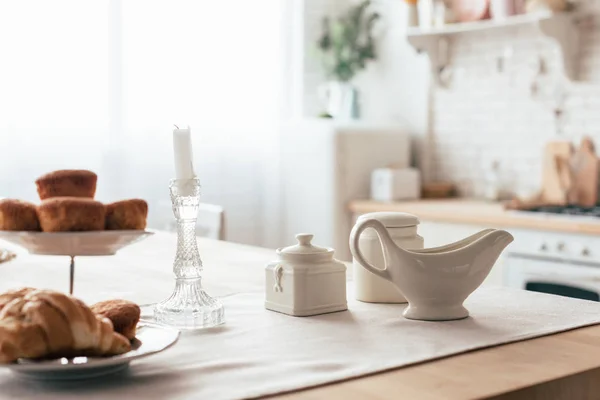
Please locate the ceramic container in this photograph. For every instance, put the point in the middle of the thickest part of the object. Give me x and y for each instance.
(425, 13)
(402, 229)
(439, 14)
(435, 281)
(413, 15)
(470, 10)
(390, 184)
(340, 100)
(305, 280)
(500, 9)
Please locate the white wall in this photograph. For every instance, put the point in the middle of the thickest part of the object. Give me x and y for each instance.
(393, 89)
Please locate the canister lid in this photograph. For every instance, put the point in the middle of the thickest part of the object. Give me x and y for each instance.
(392, 219)
(305, 248)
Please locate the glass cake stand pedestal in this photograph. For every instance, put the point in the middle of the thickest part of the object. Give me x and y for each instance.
(189, 307)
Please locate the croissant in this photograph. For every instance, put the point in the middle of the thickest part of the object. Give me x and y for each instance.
(49, 324)
(9, 296)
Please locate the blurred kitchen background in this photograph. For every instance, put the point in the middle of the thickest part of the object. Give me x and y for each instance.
(308, 113)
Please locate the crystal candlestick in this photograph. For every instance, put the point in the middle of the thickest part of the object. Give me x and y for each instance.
(189, 307)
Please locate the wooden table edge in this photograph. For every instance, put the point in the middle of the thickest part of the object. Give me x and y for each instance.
(521, 370)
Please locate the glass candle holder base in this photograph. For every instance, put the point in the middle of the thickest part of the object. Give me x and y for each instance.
(189, 307)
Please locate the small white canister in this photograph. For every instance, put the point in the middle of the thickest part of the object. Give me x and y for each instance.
(305, 280)
(403, 229)
(389, 184)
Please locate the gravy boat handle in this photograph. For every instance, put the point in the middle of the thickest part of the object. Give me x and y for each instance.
(355, 249)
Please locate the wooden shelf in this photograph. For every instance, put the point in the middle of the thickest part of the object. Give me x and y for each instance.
(518, 20)
(437, 41)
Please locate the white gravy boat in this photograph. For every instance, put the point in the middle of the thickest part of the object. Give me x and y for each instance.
(435, 281)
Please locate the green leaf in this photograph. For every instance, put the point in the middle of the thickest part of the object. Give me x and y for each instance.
(346, 43)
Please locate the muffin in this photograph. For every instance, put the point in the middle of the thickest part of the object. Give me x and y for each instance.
(67, 183)
(123, 314)
(18, 215)
(68, 214)
(127, 215)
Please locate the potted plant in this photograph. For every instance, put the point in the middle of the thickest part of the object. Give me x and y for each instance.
(345, 47)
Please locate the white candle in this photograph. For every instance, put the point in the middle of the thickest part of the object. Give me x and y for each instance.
(182, 147)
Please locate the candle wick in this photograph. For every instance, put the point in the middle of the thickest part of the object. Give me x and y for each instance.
(175, 126)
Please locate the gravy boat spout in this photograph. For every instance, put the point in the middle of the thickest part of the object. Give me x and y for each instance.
(435, 281)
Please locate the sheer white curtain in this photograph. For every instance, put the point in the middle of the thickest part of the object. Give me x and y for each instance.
(99, 84)
(53, 99)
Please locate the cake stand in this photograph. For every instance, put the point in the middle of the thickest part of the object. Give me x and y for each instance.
(74, 244)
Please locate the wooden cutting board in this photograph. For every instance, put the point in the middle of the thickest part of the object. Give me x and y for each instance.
(556, 178)
(584, 172)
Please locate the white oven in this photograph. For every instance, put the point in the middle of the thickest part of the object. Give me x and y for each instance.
(561, 264)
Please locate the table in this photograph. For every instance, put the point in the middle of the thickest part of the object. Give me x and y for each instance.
(561, 366)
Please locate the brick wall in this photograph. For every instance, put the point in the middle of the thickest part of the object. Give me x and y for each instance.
(507, 115)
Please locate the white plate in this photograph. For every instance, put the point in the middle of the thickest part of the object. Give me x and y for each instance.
(95, 243)
(150, 339)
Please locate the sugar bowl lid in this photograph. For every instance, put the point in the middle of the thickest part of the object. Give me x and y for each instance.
(305, 250)
(392, 219)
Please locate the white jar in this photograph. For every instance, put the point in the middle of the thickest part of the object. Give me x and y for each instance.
(413, 15)
(501, 9)
(403, 229)
(305, 280)
(425, 9)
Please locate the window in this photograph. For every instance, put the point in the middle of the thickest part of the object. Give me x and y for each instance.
(99, 84)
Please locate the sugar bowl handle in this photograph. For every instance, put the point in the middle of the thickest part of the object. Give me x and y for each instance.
(383, 236)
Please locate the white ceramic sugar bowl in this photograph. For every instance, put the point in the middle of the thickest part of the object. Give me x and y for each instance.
(305, 280)
(402, 228)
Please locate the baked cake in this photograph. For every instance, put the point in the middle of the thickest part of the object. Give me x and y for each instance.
(127, 215)
(18, 215)
(123, 314)
(67, 183)
(68, 214)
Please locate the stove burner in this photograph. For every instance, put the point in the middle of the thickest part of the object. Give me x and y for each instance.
(569, 210)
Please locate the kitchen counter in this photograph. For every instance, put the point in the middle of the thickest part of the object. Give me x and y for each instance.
(477, 212)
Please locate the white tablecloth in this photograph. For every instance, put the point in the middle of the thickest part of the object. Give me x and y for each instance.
(259, 352)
